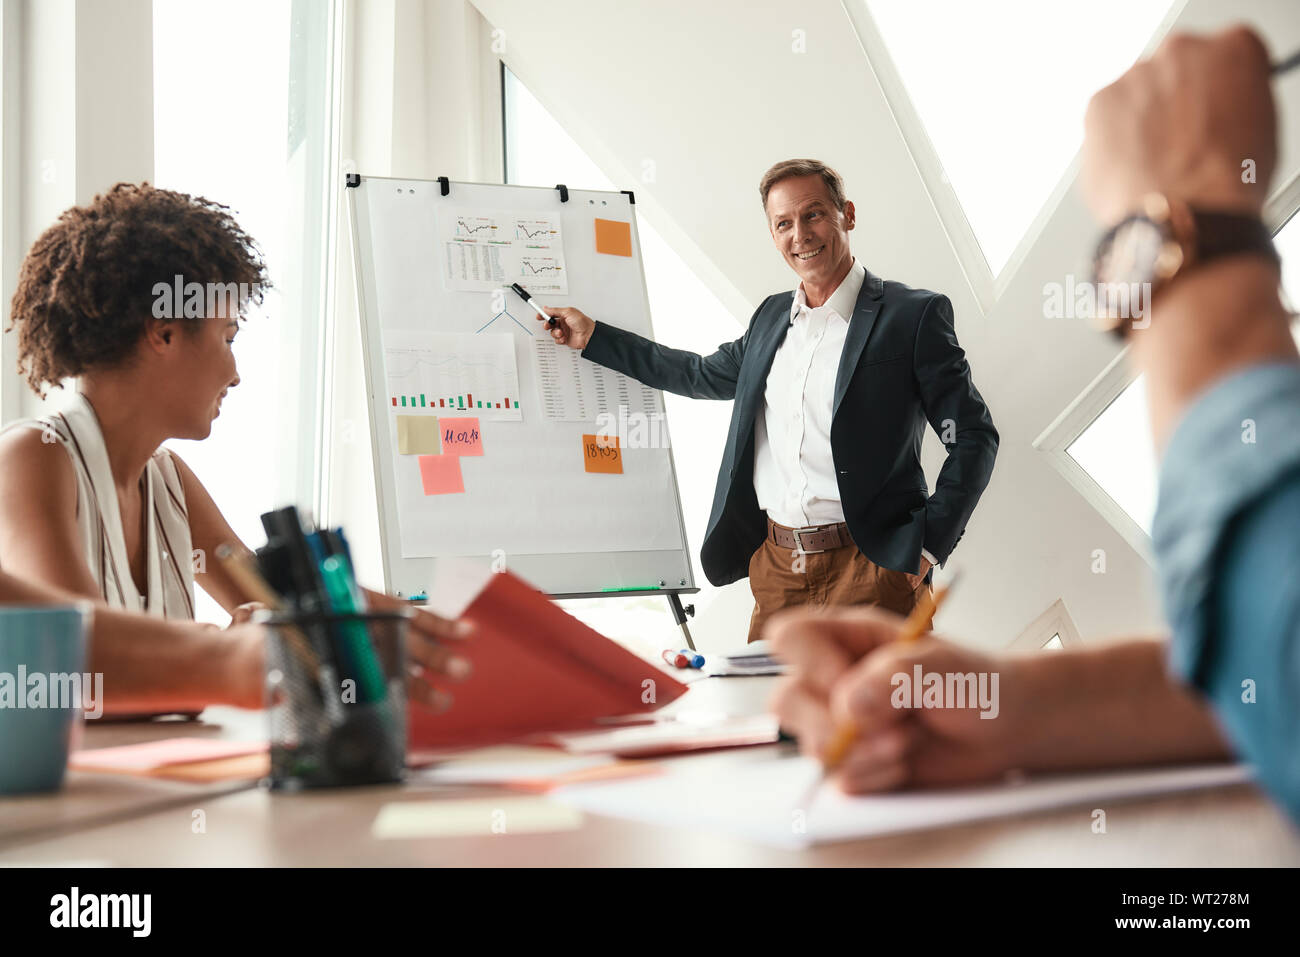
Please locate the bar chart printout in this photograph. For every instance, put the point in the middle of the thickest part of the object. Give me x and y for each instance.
(441, 373)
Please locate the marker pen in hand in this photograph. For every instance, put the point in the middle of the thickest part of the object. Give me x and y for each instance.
(522, 293)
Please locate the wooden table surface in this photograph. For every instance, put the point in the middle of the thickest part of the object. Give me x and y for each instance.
(122, 821)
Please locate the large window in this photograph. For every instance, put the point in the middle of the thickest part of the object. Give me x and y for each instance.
(1001, 88)
(685, 314)
(1116, 449)
(242, 116)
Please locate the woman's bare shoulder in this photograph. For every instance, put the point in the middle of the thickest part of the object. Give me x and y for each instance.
(33, 459)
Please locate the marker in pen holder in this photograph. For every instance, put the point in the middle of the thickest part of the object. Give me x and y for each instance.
(334, 724)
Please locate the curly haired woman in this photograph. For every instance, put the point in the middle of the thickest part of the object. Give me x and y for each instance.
(91, 504)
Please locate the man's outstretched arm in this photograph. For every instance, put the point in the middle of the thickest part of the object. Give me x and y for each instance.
(670, 370)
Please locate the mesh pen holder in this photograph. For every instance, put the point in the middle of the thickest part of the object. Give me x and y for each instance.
(336, 696)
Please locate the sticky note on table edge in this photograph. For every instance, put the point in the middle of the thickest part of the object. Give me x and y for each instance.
(164, 752)
(440, 474)
(248, 767)
(473, 816)
(460, 436)
(418, 435)
(594, 461)
(613, 237)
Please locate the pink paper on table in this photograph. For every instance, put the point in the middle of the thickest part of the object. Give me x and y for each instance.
(441, 474)
(460, 437)
(158, 754)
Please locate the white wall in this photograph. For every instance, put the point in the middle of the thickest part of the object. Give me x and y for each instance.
(420, 100)
(78, 117)
(713, 94)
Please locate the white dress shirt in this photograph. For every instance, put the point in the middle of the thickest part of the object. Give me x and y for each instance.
(794, 471)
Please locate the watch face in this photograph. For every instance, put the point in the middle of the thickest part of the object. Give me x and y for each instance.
(1131, 260)
(1132, 253)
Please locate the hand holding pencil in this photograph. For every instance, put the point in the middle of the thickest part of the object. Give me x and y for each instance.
(857, 699)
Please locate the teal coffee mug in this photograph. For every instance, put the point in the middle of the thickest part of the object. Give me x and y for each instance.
(44, 690)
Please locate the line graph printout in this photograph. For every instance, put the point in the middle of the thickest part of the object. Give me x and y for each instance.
(446, 373)
(573, 389)
(487, 249)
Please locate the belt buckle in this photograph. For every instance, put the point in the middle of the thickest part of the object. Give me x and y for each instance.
(798, 540)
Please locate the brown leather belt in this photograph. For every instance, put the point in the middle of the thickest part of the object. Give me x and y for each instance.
(810, 538)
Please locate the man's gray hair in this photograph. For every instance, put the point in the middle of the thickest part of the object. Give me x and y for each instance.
(803, 167)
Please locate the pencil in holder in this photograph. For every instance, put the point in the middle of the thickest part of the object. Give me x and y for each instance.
(336, 696)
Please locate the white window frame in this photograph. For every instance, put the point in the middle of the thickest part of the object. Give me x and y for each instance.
(986, 287)
(1056, 439)
(333, 219)
(10, 186)
(1055, 621)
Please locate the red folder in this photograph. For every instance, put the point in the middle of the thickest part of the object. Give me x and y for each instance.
(536, 669)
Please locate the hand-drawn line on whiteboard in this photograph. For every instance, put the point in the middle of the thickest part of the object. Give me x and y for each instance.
(504, 312)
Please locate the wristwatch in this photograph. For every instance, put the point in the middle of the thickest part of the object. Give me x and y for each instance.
(1143, 253)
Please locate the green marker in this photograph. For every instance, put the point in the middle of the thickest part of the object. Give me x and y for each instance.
(354, 638)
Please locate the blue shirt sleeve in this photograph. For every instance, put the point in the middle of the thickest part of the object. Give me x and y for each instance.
(1251, 667)
(1227, 543)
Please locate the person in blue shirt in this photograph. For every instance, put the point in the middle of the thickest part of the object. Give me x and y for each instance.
(1177, 158)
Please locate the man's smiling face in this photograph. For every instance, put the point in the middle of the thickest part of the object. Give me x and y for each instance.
(810, 232)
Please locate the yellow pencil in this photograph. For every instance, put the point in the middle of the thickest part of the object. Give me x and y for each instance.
(914, 626)
(243, 570)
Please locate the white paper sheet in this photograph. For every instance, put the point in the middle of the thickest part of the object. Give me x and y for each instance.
(504, 764)
(574, 389)
(484, 250)
(669, 735)
(762, 800)
(454, 375)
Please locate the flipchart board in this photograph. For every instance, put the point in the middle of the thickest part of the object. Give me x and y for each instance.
(492, 444)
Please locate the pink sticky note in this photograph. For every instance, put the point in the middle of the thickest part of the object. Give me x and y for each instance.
(441, 474)
(460, 437)
(158, 754)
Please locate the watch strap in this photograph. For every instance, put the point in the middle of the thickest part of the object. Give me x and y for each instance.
(1221, 234)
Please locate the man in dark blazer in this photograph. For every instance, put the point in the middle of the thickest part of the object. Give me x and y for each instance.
(821, 498)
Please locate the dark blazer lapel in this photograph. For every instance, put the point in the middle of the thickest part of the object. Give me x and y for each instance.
(761, 352)
(864, 318)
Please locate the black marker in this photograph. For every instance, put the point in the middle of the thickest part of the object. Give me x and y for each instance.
(1287, 65)
(522, 293)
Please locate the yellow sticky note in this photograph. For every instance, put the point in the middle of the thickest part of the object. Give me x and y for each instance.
(613, 237)
(602, 454)
(418, 435)
(465, 818)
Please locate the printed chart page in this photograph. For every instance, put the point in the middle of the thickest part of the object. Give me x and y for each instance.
(485, 250)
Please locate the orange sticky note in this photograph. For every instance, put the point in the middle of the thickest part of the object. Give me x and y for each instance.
(460, 437)
(441, 474)
(602, 454)
(613, 237)
(152, 755)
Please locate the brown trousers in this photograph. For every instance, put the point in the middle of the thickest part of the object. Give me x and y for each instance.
(784, 578)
